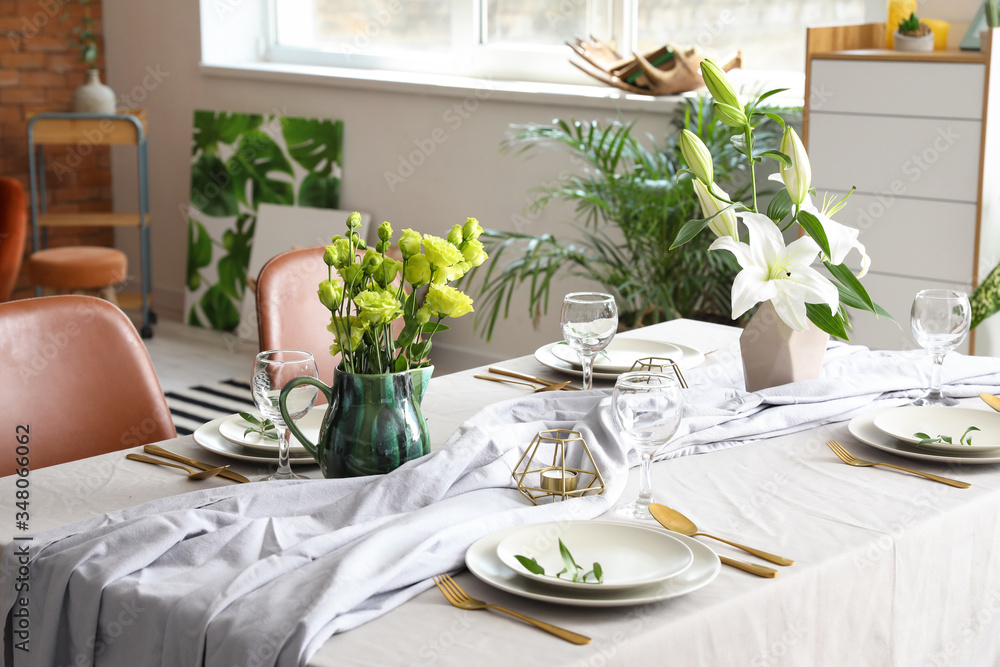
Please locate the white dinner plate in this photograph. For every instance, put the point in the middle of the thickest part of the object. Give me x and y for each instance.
(208, 437)
(233, 429)
(630, 555)
(621, 354)
(483, 562)
(902, 423)
(689, 359)
(863, 428)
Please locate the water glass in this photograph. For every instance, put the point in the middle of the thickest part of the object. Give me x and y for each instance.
(272, 370)
(647, 409)
(589, 321)
(939, 320)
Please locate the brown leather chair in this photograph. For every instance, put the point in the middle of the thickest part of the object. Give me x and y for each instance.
(76, 382)
(289, 314)
(13, 230)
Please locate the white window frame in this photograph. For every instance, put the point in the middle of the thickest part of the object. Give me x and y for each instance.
(470, 56)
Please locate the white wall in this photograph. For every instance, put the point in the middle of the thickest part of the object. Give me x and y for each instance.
(463, 176)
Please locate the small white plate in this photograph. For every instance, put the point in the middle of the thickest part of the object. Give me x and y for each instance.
(863, 428)
(208, 437)
(233, 429)
(483, 562)
(544, 355)
(630, 555)
(902, 423)
(621, 354)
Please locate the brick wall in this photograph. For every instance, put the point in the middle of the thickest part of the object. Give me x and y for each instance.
(38, 72)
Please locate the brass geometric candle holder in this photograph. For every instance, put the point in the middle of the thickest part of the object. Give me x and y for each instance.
(551, 477)
(659, 365)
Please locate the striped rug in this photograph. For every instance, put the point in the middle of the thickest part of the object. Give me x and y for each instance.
(192, 407)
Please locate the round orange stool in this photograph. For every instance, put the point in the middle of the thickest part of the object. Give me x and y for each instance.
(79, 268)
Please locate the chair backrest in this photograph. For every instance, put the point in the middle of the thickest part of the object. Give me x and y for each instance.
(13, 230)
(289, 314)
(76, 380)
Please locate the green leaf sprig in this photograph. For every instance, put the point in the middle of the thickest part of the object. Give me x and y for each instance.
(571, 569)
(966, 439)
(264, 427)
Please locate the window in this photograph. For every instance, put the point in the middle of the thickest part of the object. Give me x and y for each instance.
(525, 39)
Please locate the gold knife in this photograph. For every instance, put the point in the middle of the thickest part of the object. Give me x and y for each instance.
(160, 451)
(530, 378)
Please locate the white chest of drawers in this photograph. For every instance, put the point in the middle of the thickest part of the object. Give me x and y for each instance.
(912, 133)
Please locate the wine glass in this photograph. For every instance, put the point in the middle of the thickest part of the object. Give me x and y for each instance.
(589, 321)
(939, 320)
(647, 410)
(272, 369)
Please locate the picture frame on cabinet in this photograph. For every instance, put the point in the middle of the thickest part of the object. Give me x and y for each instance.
(970, 42)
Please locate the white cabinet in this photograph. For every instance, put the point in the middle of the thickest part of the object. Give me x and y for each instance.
(911, 132)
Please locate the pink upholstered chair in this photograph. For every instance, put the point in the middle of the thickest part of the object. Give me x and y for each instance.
(77, 382)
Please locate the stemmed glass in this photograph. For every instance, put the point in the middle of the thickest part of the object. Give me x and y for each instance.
(589, 321)
(647, 410)
(939, 320)
(272, 369)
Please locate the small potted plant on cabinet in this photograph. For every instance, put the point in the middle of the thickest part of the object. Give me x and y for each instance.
(912, 35)
(93, 96)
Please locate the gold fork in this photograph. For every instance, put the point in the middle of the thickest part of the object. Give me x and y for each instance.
(455, 595)
(852, 460)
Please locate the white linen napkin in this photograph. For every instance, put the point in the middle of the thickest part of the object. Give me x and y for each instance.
(264, 573)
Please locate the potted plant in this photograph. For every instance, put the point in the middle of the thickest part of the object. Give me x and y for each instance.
(93, 96)
(912, 35)
(631, 205)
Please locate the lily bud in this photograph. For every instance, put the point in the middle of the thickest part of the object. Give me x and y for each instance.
(696, 155)
(797, 177)
(723, 224)
(730, 115)
(718, 85)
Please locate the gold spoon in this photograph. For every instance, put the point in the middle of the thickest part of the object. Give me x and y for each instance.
(677, 522)
(991, 400)
(548, 387)
(192, 474)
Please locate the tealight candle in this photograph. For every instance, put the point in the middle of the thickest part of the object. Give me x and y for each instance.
(558, 480)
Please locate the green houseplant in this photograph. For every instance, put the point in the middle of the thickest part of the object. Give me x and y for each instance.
(631, 205)
(93, 96)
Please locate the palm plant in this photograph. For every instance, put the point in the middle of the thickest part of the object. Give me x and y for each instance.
(631, 202)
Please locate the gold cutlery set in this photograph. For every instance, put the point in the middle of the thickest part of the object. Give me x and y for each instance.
(522, 379)
(201, 470)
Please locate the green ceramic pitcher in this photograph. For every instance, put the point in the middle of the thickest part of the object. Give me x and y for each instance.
(373, 423)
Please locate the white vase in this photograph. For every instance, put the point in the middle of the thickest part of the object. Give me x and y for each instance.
(775, 354)
(902, 42)
(94, 96)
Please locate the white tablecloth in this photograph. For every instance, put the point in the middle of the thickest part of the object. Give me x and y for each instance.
(891, 569)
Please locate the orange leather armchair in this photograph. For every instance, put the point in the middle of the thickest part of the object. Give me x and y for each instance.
(77, 381)
(13, 230)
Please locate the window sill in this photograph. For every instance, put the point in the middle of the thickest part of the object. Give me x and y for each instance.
(595, 97)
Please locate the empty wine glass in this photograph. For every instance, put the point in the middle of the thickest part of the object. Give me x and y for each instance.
(939, 320)
(647, 410)
(589, 321)
(272, 369)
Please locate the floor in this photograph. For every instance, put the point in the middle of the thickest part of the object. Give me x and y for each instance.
(185, 356)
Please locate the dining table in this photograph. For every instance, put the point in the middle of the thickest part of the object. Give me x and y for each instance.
(890, 569)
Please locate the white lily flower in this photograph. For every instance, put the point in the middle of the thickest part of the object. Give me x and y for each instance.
(777, 273)
(842, 238)
(723, 224)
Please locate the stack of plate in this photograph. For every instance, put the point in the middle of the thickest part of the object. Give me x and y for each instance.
(641, 564)
(893, 430)
(618, 357)
(226, 436)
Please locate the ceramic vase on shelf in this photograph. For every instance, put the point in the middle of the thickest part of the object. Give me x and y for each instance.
(94, 96)
(373, 425)
(904, 42)
(775, 354)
